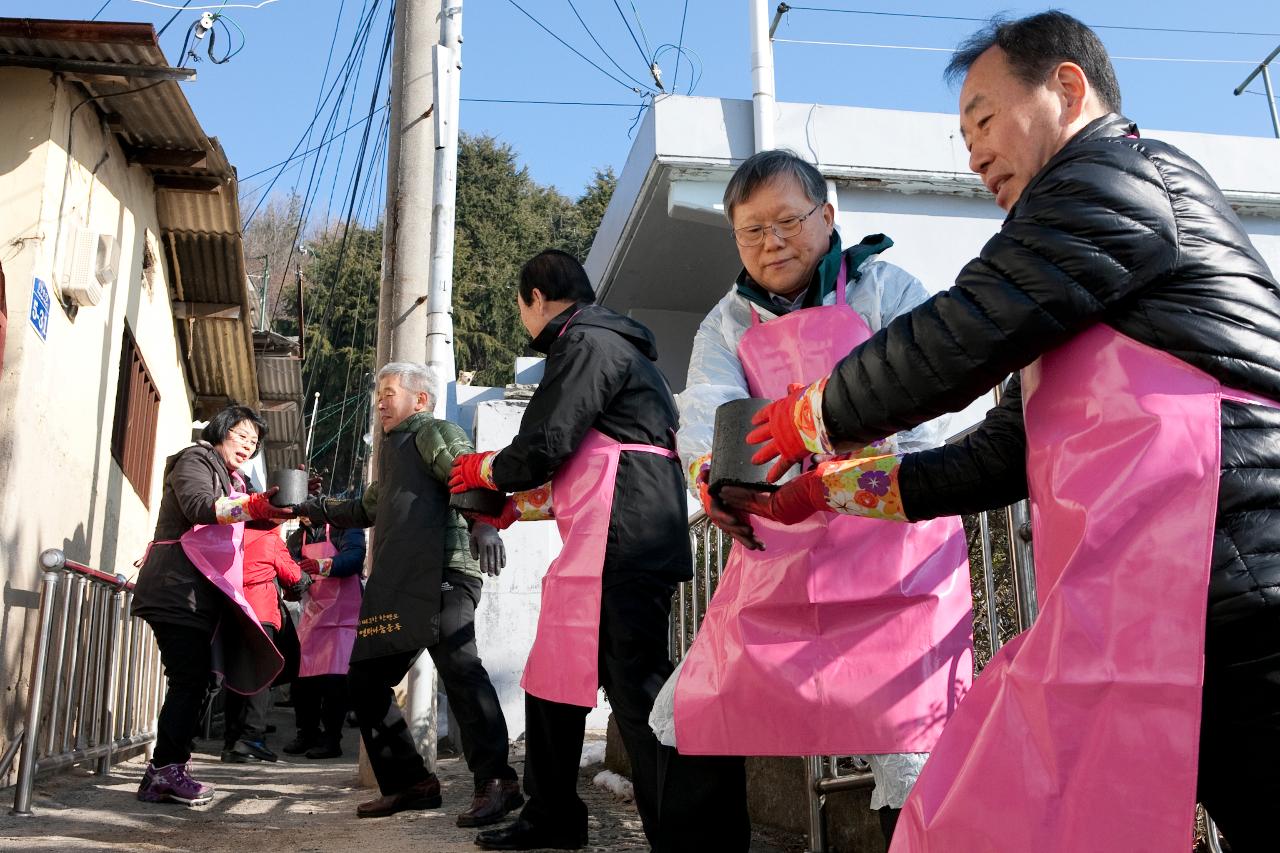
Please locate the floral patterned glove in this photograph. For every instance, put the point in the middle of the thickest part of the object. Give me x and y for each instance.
(852, 486)
(863, 486)
(255, 507)
(531, 505)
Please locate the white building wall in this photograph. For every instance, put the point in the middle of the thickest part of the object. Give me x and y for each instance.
(59, 486)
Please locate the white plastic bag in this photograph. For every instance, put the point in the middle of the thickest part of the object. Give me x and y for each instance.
(662, 719)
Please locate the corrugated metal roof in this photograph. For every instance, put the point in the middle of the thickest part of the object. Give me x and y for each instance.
(279, 379)
(157, 117)
(201, 229)
(284, 437)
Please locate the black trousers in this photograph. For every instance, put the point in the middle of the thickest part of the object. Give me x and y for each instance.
(186, 654)
(1239, 781)
(246, 716)
(387, 739)
(320, 701)
(685, 802)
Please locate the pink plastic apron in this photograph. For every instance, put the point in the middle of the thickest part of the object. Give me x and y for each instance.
(243, 655)
(563, 663)
(330, 616)
(846, 635)
(1082, 732)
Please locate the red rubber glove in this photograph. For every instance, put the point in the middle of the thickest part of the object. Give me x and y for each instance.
(259, 507)
(776, 429)
(319, 566)
(510, 515)
(471, 471)
(791, 504)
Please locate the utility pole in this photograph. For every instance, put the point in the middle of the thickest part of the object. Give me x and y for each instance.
(447, 66)
(407, 256)
(764, 110)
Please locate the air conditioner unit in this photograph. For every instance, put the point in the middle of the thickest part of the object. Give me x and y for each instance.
(93, 267)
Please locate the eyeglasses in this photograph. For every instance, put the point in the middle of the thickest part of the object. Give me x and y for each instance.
(246, 440)
(753, 235)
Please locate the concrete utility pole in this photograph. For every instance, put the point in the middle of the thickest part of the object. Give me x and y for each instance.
(764, 110)
(447, 66)
(407, 295)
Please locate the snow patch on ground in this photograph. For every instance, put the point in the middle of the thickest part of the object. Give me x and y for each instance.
(619, 786)
(592, 753)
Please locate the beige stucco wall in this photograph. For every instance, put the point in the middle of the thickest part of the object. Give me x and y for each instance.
(59, 486)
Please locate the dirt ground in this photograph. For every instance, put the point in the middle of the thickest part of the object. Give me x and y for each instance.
(296, 805)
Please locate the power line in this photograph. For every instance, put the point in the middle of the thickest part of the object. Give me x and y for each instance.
(207, 8)
(680, 48)
(644, 55)
(100, 10)
(322, 144)
(574, 49)
(172, 18)
(557, 103)
(952, 50)
(356, 44)
(606, 53)
(986, 20)
(353, 63)
(640, 26)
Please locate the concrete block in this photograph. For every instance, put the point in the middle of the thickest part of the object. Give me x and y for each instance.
(529, 370)
(615, 753)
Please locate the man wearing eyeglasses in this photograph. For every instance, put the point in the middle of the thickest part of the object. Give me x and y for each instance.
(881, 674)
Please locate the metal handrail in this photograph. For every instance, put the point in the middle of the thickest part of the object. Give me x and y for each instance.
(96, 685)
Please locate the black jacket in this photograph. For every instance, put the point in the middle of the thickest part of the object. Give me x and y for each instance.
(1119, 230)
(170, 589)
(602, 373)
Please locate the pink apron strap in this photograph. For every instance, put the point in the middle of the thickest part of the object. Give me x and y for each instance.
(147, 553)
(568, 322)
(841, 299)
(648, 448)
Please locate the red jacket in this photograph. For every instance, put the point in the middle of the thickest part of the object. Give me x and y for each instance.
(265, 558)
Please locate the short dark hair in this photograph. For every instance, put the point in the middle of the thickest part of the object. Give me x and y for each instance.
(215, 432)
(1037, 43)
(558, 275)
(767, 166)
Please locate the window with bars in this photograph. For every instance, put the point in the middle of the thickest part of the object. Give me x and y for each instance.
(133, 436)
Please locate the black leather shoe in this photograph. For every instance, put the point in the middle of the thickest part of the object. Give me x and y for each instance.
(325, 749)
(492, 801)
(523, 835)
(303, 742)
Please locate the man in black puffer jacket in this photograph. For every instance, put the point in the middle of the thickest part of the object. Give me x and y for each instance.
(1104, 227)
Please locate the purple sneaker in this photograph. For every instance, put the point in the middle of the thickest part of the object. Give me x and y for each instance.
(172, 784)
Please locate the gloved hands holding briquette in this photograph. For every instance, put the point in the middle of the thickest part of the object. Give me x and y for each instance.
(865, 486)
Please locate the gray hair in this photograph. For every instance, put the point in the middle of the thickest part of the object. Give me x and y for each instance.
(413, 376)
(760, 169)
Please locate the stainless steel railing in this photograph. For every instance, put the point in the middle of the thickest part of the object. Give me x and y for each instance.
(828, 774)
(96, 684)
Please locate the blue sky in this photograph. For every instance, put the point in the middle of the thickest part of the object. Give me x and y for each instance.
(260, 102)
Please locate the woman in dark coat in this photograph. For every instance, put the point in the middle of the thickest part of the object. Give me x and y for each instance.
(198, 533)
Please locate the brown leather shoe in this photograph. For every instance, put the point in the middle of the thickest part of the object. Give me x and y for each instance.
(492, 800)
(423, 795)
